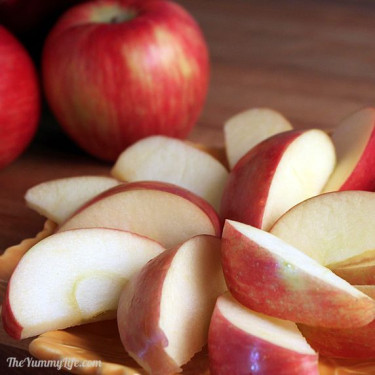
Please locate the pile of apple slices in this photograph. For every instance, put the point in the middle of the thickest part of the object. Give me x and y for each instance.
(248, 256)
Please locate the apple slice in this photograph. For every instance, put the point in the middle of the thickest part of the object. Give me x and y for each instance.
(330, 227)
(277, 174)
(165, 310)
(72, 278)
(164, 212)
(242, 341)
(58, 199)
(217, 152)
(246, 129)
(270, 276)
(354, 140)
(359, 270)
(344, 343)
(160, 158)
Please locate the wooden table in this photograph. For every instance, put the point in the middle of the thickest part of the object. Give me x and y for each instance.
(313, 60)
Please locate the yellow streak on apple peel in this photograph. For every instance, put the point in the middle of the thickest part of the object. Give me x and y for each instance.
(165, 38)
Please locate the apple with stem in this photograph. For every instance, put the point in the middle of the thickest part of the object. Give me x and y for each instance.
(19, 98)
(71, 278)
(116, 71)
(242, 341)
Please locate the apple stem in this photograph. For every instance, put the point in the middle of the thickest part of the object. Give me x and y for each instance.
(123, 17)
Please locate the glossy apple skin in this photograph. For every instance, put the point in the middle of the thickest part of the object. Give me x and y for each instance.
(142, 315)
(19, 98)
(264, 283)
(247, 188)
(233, 351)
(111, 84)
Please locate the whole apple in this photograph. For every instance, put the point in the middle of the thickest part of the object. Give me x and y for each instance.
(19, 98)
(116, 71)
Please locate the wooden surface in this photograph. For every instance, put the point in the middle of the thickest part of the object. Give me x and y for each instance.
(312, 60)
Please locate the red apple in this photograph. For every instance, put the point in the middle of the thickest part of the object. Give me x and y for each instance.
(343, 343)
(19, 98)
(241, 341)
(275, 175)
(272, 277)
(164, 312)
(116, 71)
(354, 141)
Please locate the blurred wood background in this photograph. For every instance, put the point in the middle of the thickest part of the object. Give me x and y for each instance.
(312, 60)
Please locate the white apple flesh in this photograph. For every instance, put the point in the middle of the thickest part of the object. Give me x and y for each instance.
(277, 174)
(160, 158)
(164, 212)
(246, 129)
(272, 277)
(165, 310)
(331, 227)
(242, 341)
(71, 278)
(58, 199)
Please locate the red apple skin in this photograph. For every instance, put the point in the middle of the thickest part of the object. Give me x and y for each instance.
(133, 317)
(19, 98)
(111, 84)
(233, 351)
(247, 188)
(363, 175)
(343, 343)
(10, 323)
(264, 284)
(161, 186)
